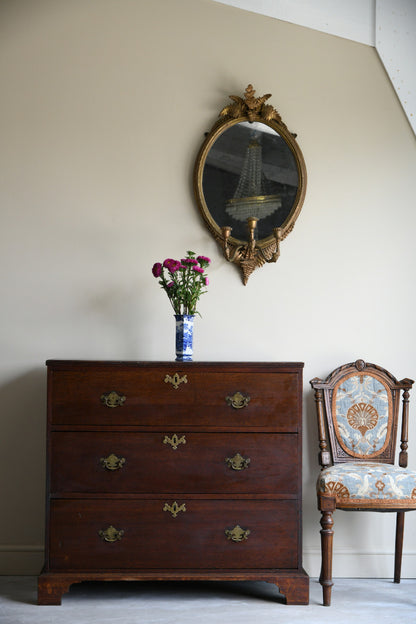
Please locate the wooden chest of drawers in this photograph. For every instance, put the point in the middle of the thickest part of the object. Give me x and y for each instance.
(180, 471)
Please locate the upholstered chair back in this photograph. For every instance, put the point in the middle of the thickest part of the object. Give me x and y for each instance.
(362, 414)
(362, 409)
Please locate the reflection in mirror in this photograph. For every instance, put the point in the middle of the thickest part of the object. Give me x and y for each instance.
(250, 172)
(250, 182)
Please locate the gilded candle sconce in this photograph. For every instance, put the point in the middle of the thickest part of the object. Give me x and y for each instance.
(250, 181)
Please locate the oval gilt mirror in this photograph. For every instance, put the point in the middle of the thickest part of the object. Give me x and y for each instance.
(250, 181)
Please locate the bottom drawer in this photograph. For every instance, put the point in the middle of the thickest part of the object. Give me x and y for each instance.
(161, 534)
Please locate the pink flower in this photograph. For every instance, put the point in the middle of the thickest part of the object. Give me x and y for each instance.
(171, 265)
(157, 269)
(184, 282)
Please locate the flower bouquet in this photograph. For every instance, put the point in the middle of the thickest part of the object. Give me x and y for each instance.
(184, 281)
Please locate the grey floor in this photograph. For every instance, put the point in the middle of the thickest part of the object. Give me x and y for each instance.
(354, 601)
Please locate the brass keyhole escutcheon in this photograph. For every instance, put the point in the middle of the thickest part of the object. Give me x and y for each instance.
(238, 462)
(174, 509)
(176, 380)
(174, 441)
(237, 534)
(111, 534)
(237, 400)
(112, 462)
(112, 399)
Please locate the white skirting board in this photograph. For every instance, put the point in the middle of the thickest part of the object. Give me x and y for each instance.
(28, 560)
(364, 564)
(21, 559)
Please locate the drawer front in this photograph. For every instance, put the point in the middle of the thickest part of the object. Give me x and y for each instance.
(151, 536)
(252, 463)
(154, 396)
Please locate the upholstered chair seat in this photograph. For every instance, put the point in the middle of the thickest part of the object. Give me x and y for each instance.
(368, 485)
(358, 421)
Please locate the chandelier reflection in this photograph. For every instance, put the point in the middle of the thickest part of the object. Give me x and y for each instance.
(251, 202)
(251, 197)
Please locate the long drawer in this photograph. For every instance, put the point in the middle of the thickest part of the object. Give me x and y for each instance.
(187, 397)
(173, 534)
(152, 462)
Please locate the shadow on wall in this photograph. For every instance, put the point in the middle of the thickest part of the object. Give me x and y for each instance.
(23, 451)
(311, 468)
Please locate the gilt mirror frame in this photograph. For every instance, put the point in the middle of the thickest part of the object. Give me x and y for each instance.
(252, 248)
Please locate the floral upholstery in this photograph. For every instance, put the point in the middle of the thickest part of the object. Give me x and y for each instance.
(369, 485)
(361, 406)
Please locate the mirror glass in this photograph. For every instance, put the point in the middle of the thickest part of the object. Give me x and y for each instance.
(250, 171)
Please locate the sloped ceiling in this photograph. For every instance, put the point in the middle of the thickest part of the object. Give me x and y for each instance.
(388, 25)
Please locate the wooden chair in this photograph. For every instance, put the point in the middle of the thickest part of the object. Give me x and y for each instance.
(358, 413)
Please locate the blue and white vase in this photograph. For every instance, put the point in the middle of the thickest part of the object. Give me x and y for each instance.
(184, 337)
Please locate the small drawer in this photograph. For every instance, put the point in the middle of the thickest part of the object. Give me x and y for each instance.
(175, 461)
(173, 534)
(183, 397)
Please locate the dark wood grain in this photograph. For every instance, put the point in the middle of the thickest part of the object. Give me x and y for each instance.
(85, 498)
(196, 466)
(150, 401)
(293, 584)
(153, 538)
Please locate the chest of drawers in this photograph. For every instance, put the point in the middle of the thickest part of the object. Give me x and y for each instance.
(173, 471)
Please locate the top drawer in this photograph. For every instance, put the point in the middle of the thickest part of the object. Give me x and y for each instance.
(192, 395)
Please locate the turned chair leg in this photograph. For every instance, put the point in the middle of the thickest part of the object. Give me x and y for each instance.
(399, 546)
(327, 534)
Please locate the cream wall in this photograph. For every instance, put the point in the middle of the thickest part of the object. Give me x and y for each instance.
(104, 105)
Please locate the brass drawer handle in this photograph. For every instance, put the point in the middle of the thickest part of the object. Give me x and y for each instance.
(111, 534)
(238, 462)
(174, 441)
(112, 399)
(237, 534)
(238, 400)
(176, 380)
(174, 508)
(112, 462)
